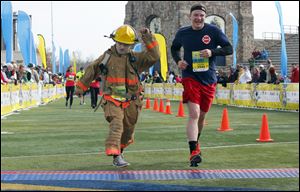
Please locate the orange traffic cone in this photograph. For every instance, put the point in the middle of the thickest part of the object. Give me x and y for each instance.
(148, 106)
(161, 106)
(264, 130)
(225, 122)
(155, 106)
(180, 110)
(168, 107)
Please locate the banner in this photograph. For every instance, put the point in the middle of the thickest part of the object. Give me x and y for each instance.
(291, 91)
(283, 56)
(235, 38)
(24, 36)
(7, 28)
(163, 55)
(42, 50)
(34, 94)
(26, 99)
(61, 61)
(27, 95)
(33, 56)
(242, 95)
(15, 97)
(168, 90)
(74, 63)
(157, 90)
(66, 60)
(53, 59)
(222, 95)
(269, 96)
(5, 99)
(177, 91)
(148, 90)
(137, 47)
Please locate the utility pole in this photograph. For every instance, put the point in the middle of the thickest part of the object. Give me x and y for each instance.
(51, 21)
(53, 59)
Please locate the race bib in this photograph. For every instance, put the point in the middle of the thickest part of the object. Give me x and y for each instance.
(71, 77)
(199, 63)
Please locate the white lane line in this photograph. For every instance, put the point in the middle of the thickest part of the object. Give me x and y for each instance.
(151, 150)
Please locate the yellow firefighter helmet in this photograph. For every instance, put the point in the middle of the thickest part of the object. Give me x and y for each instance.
(125, 34)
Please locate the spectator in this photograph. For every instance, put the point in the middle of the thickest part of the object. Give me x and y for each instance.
(147, 78)
(245, 76)
(255, 75)
(256, 54)
(222, 78)
(55, 79)
(22, 74)
(4, 79)
(46, 79)
(156, 78)
(269, 65)
(171, 78)
(264, 54)
(295, 73)
(8, 71)
(59, 78)
(35, 76)
(94, 88)
(70, 85)
(262, 74)
(273, 75)
(78, 76)
(232, 76)
(14, 72)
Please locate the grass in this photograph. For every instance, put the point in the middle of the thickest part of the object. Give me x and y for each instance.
(53, 137)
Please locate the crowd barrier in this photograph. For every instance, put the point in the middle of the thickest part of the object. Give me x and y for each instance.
(22, 96)
(269, 96)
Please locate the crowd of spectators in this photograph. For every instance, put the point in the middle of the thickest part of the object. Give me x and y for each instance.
(256, 74)
(256, 54)
(20, 73)
(171, 77)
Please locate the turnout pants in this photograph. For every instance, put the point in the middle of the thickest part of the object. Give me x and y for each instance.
(121, 126)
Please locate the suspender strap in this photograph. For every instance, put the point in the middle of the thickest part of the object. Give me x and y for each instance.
(106, 58)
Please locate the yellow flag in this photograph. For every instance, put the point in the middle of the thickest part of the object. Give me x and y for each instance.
(163, 55)
(42, 50)
(74, 62)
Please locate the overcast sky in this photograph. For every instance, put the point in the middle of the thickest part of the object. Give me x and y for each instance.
(81, 26)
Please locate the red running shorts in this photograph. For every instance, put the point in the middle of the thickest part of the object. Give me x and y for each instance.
(196, 92)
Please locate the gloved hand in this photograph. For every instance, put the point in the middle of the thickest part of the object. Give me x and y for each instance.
(146, 35)
(144, 30)
(103, 69)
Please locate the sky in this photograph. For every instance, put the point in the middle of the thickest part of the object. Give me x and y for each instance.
(80, 26)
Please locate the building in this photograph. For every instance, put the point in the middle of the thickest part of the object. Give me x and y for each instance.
(166, 17)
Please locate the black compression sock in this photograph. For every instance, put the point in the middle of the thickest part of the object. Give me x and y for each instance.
(192, 145)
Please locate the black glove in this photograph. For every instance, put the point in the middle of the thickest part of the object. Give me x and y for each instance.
(103, 69)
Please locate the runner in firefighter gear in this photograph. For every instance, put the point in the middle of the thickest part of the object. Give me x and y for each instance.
(122, 91)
